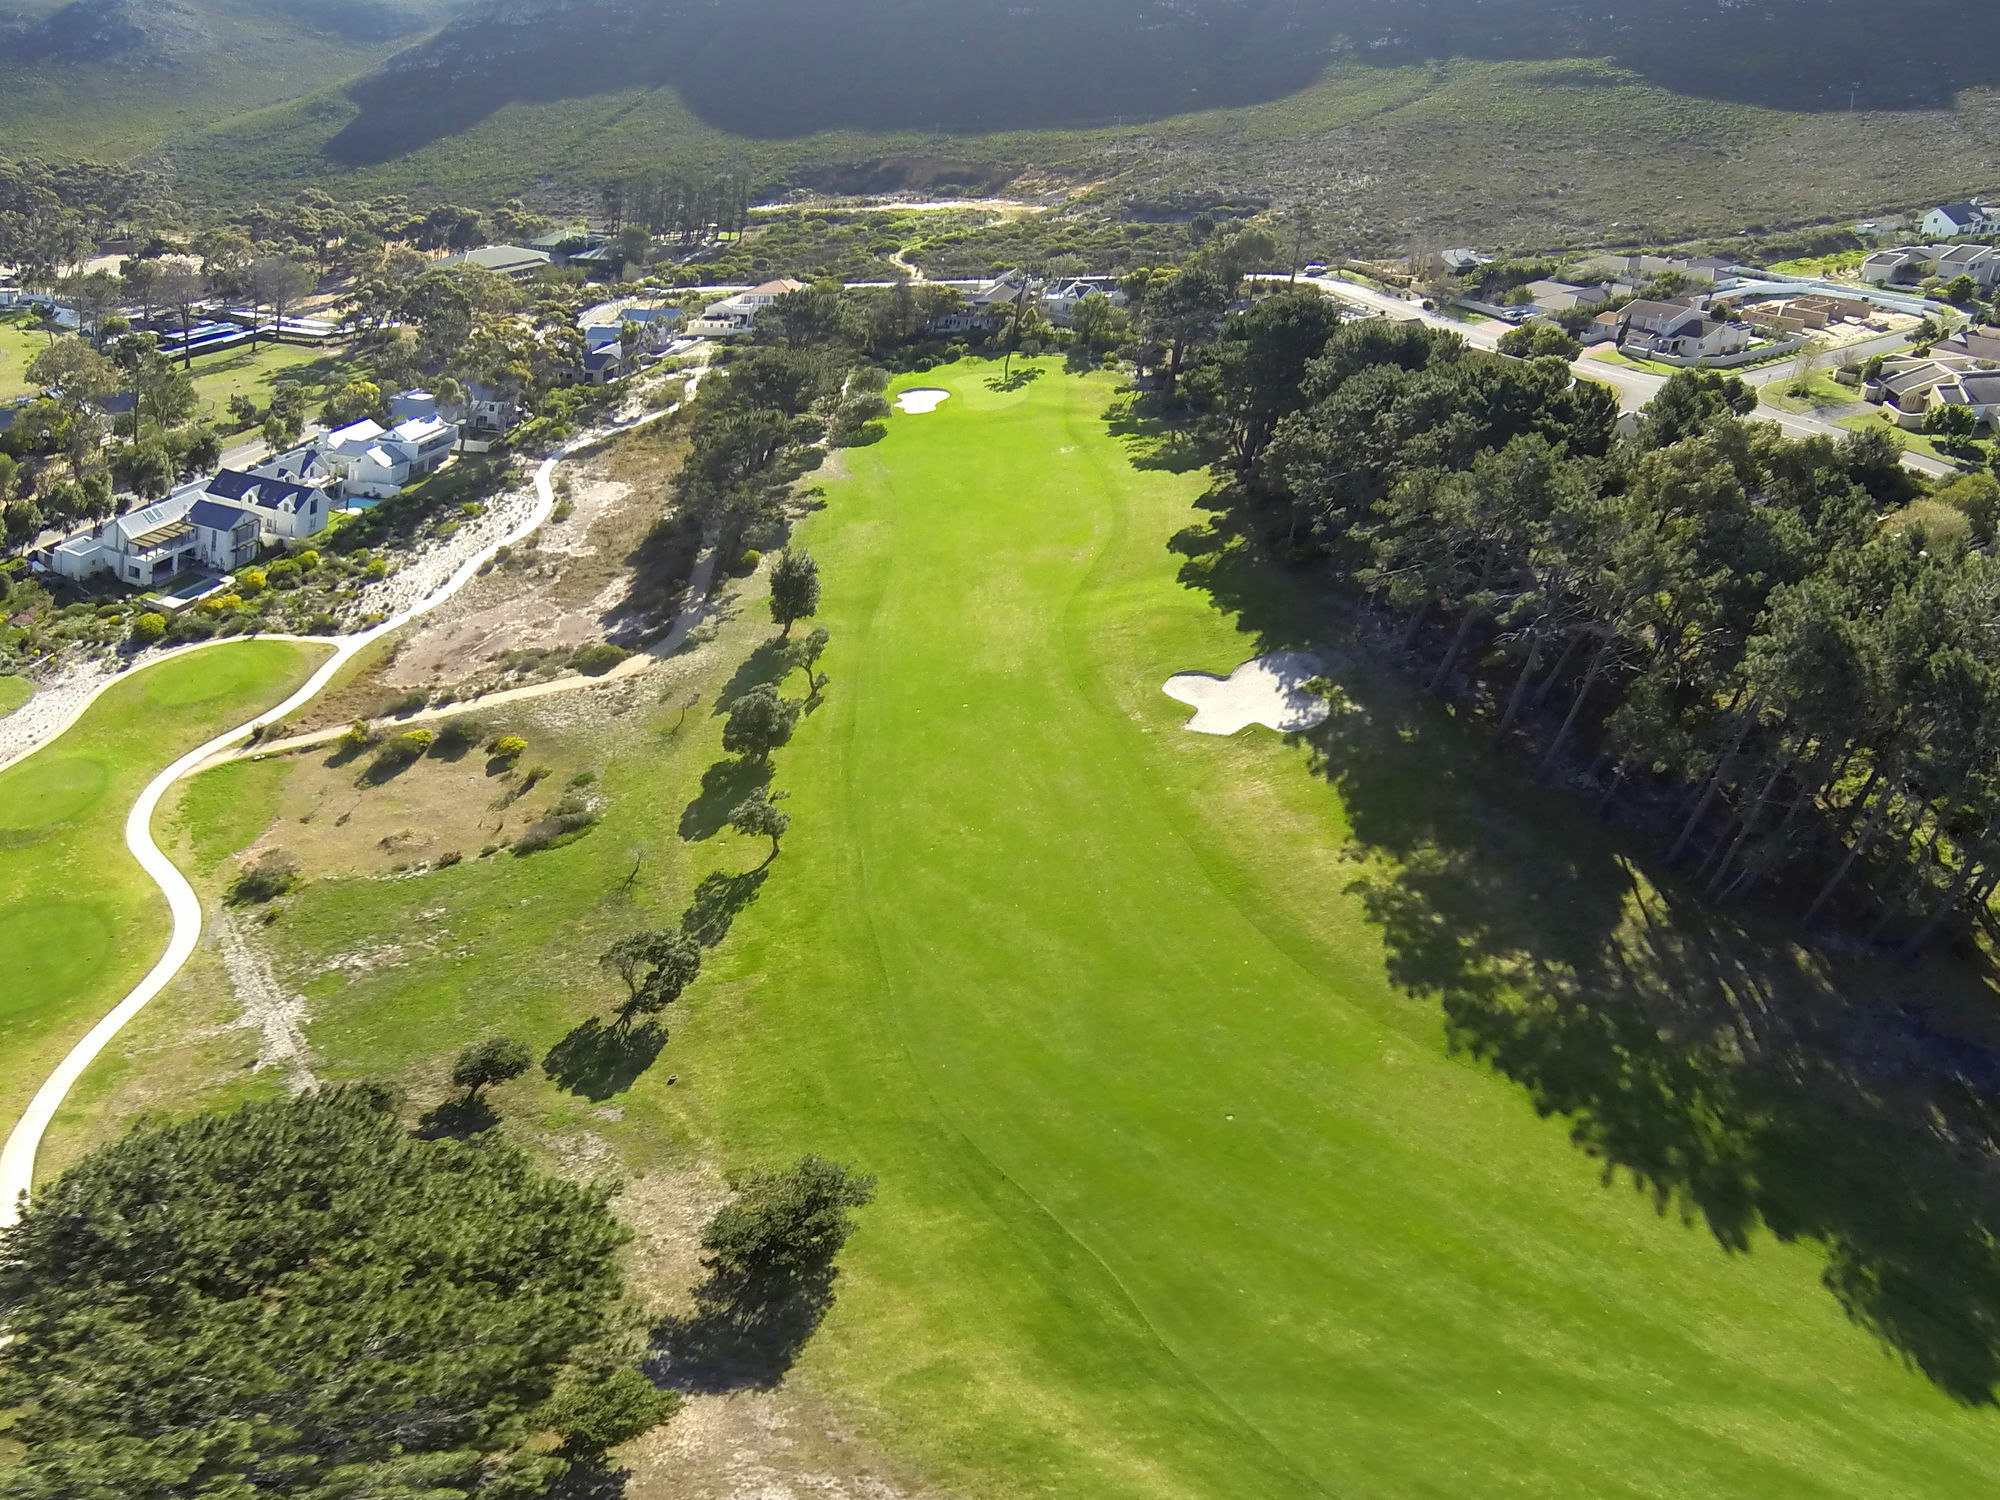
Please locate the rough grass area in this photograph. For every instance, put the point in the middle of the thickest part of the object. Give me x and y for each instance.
(79, 920)
(1821, 390)
(1164, 1046)
(1972, 454)
(14, 691)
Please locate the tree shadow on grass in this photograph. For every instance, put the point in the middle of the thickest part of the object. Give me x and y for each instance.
(1015, 380)
(739, 1337)
(723, 785)
(1745, 1082)
(1151, 440)
(718, 900)
(766, 664)
(456, 1118)
(599, 1059)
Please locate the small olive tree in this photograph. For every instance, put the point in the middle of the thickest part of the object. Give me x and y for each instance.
(757, 816)
(794, 588)
(493, 1060)
(759, 722)
(656, 967)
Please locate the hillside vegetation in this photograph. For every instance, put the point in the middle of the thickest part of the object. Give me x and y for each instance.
(1505, 121)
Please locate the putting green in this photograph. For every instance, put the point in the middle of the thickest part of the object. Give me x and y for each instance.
(79, 920)
(1180, 1195)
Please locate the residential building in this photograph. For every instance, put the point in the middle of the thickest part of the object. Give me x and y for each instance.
(515, 262)
(1951, 220)
(376, 461)
(733, 317)
(484, 409)
(1980, 262)
(285, 509)
(1461, 260)
(1906, 383)
(1560, 296)
(603, 364)
(1902, 265)
(1979, 345)
(1980, 392)
(140, 548)
(1061, 303)
(226, 536)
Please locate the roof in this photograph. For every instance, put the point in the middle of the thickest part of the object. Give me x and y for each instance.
(1962, 213)
(597, 359)
(380, 457)
(501, 259)
(776, 288)
(261, 490)
(366, 430)
(159, 536)
(217, 516)
(1982, 390)
(417, 429)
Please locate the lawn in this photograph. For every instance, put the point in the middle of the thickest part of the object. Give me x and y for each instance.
(79, 920)
(250, 372)
(1161, 1045)
(1973, 454)
(14, 691)
(19, 343)
(1821, 390)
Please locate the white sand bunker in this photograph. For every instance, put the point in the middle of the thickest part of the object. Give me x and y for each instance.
(921, 400)
(1268, 690)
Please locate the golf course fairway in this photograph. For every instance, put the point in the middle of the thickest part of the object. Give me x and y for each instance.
(80, 922)
(1180, 1195)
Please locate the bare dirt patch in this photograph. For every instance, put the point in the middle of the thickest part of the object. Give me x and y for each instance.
(275, 1012)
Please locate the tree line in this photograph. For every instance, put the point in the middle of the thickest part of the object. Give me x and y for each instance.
(1778, 652)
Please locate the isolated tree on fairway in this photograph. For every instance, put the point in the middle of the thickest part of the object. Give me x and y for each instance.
(759, 722)
(185, 1321)
(757, 816)
(804, 655)
(277, 282)
(786, 1226)
(656, 967)
(794, 589)
(494, 1060)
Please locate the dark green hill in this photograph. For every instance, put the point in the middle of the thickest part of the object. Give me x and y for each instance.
(1519, 121)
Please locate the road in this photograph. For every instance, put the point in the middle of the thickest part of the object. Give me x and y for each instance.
(1634, 387)
(17, 1157)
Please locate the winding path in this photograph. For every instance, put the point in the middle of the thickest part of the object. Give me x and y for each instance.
(17, 1158)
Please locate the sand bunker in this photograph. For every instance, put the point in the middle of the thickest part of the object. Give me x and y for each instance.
(925, 398)
(1268, 690)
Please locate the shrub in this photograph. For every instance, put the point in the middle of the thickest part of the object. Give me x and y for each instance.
(266, 880)
(563, 511)
(449, 858)
(507, 746)
(410, 702)
(377, 569)
(405, 749)
(460, 734)
(747, 563)
(533, 777)
(597, 659)
(308, 559)
(285, 573)
(568, 819)
(148, 628)
(356, 735)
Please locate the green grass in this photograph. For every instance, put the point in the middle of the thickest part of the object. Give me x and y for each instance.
(1821, 390)
(1836, 264)
(251, 372)
(14, 691)
(79, 920)
(19, 343)
(1972, 455)
(1185, 1189)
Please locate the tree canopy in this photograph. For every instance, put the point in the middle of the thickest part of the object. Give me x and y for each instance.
(297, 1298)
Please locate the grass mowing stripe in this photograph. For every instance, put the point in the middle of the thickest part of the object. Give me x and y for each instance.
(79, 920)
(1100, 939)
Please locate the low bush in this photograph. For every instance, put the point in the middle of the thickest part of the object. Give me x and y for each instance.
(747, 563)
(148, 628)
(266, 880)
(597, 659)
(569, 819)
(507, 746)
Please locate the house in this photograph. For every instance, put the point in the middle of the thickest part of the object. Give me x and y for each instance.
(1980, 262)
(1560, 296)
(1703, 338)
(1461, 260)
(376, 461)
(1980, 392)
(1979, 345)
(1061, 304)
(603, 364)
(1659, 317)
(140, 549)
(1906, 383)
(485, 409)
(515, 262)
(1954, 219)
(733, 317)
(988, 305)
(226, 536)
(285, 509)
(1906, 263)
